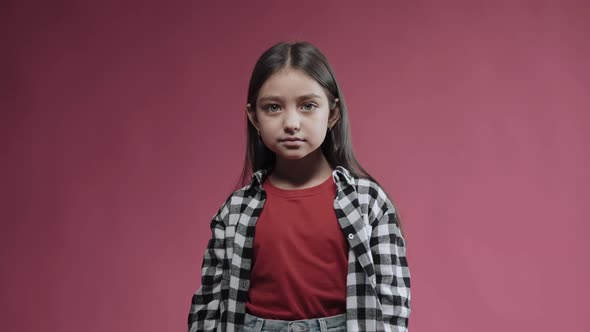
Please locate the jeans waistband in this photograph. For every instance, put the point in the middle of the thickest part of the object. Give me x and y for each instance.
(258, 324)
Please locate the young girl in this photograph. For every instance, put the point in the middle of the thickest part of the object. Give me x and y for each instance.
(312, 242)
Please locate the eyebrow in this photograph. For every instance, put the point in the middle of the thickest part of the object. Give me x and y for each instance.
(271, 98)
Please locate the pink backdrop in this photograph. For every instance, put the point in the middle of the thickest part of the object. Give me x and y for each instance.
(123, 132)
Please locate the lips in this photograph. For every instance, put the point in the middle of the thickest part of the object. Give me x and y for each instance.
(291, 139)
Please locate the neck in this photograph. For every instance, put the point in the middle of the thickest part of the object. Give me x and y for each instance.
(301, 173)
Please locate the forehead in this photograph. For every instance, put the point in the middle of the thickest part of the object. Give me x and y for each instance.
(290, 83)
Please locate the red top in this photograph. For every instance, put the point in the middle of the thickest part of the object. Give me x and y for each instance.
(300, 260)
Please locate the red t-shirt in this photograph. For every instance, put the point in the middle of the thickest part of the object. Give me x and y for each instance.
(300, 257)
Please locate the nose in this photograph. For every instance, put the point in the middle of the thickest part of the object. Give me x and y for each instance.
(291, 121)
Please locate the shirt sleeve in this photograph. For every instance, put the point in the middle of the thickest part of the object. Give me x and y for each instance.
(205, 306)
(391, 268)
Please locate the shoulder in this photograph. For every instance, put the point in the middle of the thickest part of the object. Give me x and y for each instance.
(238, 200)
(231, 203)
(371, 188)
(379, 202)
(368, 190)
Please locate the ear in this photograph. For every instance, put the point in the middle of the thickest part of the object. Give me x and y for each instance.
(252, 115)
(334, 114)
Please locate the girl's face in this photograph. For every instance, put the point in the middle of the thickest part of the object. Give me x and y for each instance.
(292, 114)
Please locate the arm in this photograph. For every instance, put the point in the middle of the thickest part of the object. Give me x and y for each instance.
(204, 311)
(391, 269)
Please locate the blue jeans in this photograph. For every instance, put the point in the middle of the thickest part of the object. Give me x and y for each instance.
(325, 324)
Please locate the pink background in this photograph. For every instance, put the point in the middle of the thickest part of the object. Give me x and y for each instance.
(123, 131)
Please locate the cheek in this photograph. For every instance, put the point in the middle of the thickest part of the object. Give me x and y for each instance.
(319, 132)
(322, 124)
(268, 132)
(266, 127)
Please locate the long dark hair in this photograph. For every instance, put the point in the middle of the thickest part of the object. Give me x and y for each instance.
(337, 147)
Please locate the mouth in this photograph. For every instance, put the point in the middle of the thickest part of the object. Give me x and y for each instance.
(292, 143)
(292, 140)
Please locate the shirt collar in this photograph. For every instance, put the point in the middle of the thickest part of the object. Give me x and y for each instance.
(257, 179)
(340, 175)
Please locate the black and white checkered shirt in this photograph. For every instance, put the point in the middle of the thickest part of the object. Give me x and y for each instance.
(378, 280)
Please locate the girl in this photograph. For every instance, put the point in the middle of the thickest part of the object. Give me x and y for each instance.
(312, 242)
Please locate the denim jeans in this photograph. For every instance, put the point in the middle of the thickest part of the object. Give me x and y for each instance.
(325, 324)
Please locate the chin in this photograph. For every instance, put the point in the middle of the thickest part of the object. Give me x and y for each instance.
(291, 155)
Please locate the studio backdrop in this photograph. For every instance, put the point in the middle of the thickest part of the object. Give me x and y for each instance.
(123, 131)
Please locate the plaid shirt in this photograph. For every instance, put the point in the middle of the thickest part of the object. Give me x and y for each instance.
(378, 280)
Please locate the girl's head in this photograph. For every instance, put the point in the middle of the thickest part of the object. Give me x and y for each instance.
(293, 93)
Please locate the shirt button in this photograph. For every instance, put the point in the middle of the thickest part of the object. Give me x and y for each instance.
(373, 280)
(351, 236)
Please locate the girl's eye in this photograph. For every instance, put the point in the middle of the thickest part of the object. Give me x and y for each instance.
(271, 107)
(309, 106)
